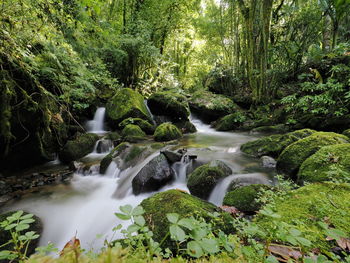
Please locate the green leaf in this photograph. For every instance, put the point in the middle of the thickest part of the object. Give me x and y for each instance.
(122, 216)
(27, 216)
(27, 221)
(173, 217)
(138, 210)
(303, 241)
(133, 228)
(271, 259)
(126, 209)
(21, 227)
(187, 223)
(209, 245)
(194, 249)
(9, 227)
(294, 232)
(199, 233)
(177, 233)
(139, 220)
(118, 227)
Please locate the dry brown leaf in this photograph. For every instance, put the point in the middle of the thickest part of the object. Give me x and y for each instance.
(285, 252)
(71, 245)
(344, 243)
(230, 209)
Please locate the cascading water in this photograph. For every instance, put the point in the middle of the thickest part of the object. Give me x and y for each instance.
(97, 124)
(87, 205)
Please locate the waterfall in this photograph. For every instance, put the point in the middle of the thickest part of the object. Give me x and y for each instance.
(217, 195)
(201, 126)
(97, 124)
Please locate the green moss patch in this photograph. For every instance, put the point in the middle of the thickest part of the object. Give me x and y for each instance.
(167, 132)
(305, 207)
(330, 162)
(144, 125)
(244, 198)
(273, 145)
(295, 154)
(230, 122)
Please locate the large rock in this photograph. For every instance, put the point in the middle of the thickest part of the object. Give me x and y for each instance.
(230, 122)
(5, 236)
(273, 145)
(176, 201)
(202, 180)
(329, 163)
(294, 155)
(144, 125)
(126, 103)
(153, 175)
(244, 198)
(106, 161)
(186, 126)
(169, 104)
(133, 130)
(211, 106)
(78, 148)
(167, 132)
(306, 207)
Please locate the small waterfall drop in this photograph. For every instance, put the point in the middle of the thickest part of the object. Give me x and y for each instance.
(97, 124)
(201, 126)
(217, 195)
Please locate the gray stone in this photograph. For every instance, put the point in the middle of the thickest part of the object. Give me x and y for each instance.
(268, 162)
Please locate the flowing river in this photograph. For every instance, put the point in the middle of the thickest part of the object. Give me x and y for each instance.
(86, 205)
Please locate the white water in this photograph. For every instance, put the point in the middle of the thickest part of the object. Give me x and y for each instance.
(201, 126)
(217, 195)
(97, 124)
(87, 205)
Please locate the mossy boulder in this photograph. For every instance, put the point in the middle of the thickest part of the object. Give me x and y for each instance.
(144, 125)
(106, 161)
(126, 103)
(169, 104)
(330, 162)
(186, 126)
(211, 106)
(5, 236)
(133, 130)
(305, 207)
(295, 154)
(167, 132)
(272, 129)
(230, 122)
(175, 201)
(202, 180)
(153, 175)
(244, 198)
(79, 147)
(273, 145)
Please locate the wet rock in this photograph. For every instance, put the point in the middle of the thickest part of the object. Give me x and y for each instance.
(329, 163)
(126, 103)
(186, 127)
(167, 132)
(171, 156)
(230, 122)
(211, 106)
(105, 162)
(273, 145)
(268, 162)
(78, 148)
(144, 125)
(169, 104)
(202, 180)
(244, 198)
(153, 175)
(104, 145)
(294, 155)
(279, 128)
(186, 205)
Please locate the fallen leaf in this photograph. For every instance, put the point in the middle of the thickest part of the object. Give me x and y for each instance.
(285, 252)
(71, 245)
(344, 243)
(231, 210)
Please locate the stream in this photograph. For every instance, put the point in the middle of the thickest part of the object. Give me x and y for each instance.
(86, 205)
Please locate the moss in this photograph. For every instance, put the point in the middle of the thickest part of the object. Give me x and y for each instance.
(305, 207)
(133, 130)
(106, 161)
(78, 148)
(167, 132)
(346, 133)
(230, 122)
(126, 103)
(5, 236)
(134, 152)
(203, 180)
(279, 128)
(169, 104)
(113, 136)
(294, 155)
(329, 163)
(273, 145)
(175, 201)
(244, 198)
(186, 126)
(144, 125)
(211, 106)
